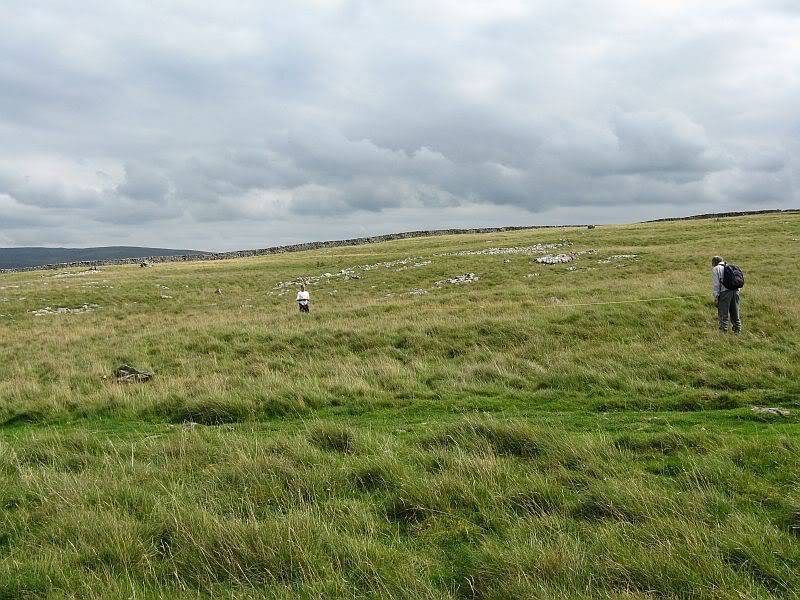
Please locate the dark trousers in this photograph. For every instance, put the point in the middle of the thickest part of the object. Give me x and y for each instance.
(303, 307)
(728, 305)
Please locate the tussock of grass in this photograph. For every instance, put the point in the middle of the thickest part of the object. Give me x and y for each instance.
(206, 411)
(333, 438)
(376, 474)
(790, 519)
(537, 494)
(503, 438)
(25, 416)
(666, 443)
(630, 503)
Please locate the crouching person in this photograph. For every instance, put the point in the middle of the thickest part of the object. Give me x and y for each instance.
(303, 299)
(726, 280)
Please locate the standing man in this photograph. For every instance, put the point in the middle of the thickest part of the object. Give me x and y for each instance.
(303, 298)
(727, 298)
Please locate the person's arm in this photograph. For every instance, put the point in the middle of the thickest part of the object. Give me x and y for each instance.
(715, 283)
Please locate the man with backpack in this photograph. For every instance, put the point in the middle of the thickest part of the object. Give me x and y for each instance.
(726, 281)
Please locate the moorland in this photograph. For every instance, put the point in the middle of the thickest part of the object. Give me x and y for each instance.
(568, 430)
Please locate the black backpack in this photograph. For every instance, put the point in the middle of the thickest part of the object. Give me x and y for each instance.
(732, 277)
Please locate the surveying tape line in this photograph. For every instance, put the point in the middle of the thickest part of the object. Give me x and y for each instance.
(626, 301)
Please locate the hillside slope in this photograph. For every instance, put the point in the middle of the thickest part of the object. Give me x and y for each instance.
(568, 430)
(19, 258)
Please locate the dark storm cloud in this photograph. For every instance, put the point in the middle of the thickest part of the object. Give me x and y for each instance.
(232, 126)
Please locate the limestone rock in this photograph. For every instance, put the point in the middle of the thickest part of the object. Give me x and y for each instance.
(128, 374)
(766, 410)
(555, 259)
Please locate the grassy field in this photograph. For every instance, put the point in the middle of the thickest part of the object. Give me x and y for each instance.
(575, 430)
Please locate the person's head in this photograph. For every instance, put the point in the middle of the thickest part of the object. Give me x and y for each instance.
(302, 287)
(716, 260)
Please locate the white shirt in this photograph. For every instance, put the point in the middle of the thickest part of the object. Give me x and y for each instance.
(303, 298)
(716, 280)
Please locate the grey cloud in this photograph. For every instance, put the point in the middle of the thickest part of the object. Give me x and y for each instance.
(30, 190)
(299, 120)
(767, 159)
(663, 142)
(143, 183)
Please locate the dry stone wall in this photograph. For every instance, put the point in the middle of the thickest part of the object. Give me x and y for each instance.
(727, 214)
(352, 242)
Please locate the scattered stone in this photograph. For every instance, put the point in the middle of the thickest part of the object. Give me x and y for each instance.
(218, 291)
(70, 274)
(165, 297)
(555, 259)
(536, 249)
(459, 279)
(553, 300)
(531, 275)
(418, 265)
(572, 268)
(128, 374)
(418, 292)
(391, 264)
(590, 227)
(416, 262)
(143, 264)
(47, 310)
(618, 257)
(765, 410)
(350, 272)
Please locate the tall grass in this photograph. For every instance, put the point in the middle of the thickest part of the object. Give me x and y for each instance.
(463, 510)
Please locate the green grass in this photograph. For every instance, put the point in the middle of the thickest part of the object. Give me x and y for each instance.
(480, 441)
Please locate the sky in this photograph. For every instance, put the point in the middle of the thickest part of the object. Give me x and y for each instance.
(228, 125)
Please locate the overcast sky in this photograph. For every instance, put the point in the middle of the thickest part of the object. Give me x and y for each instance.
(225, 125)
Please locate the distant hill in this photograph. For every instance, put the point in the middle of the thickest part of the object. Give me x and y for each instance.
(17, 258)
